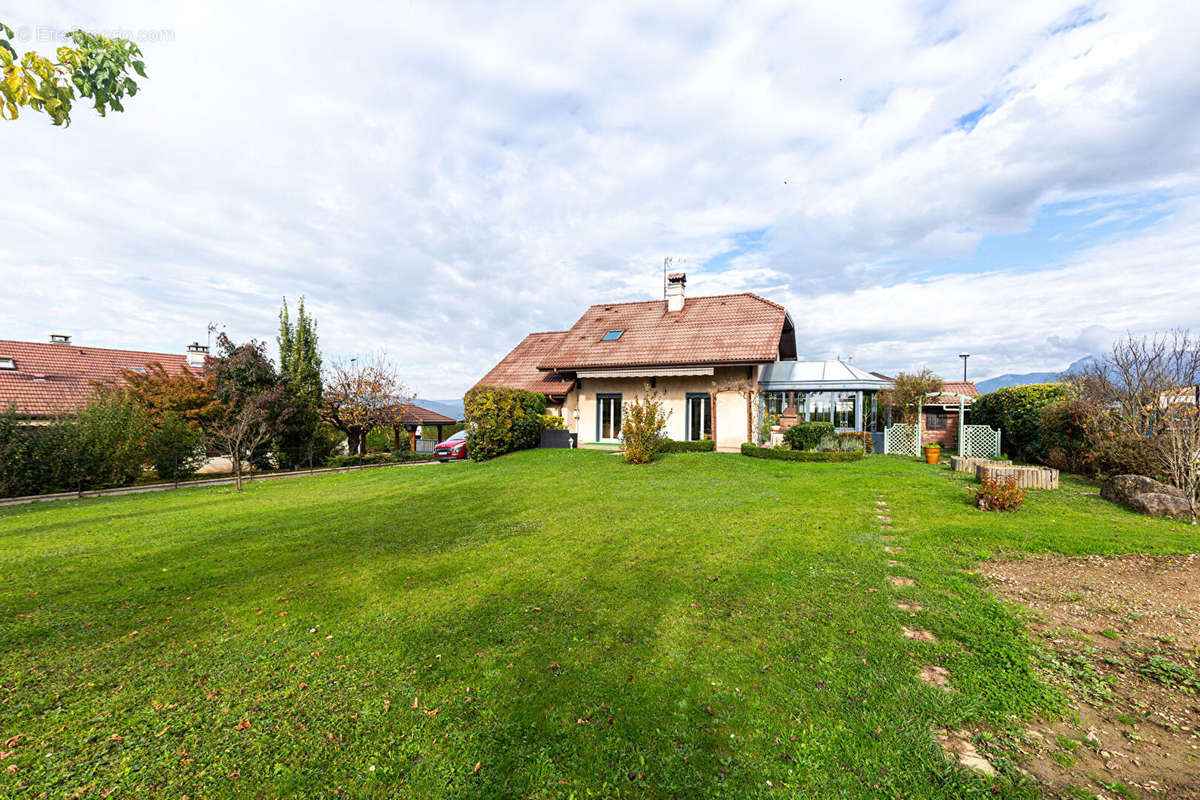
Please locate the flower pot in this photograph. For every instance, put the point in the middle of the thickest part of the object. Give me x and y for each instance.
(932, 454)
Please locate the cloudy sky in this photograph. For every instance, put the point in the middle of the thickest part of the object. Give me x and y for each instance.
(911, 180)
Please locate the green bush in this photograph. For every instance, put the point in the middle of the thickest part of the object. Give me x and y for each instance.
(176, 449)
(807, 435)
(102, 445)
(643, 426)
(678, 446)
(859, 439)
(502, 420)
(1017, 412)
(784, 454)
(1125, 454)
(347, 460)
(553, 422)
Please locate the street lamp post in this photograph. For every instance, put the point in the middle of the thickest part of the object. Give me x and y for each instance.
(964, 357)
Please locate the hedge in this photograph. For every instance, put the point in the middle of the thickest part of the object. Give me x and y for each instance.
(1017, 412)
(501, 420)
(677, 446)
(781, 454)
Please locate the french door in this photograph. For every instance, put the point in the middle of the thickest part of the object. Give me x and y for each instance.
(608, 417)
(699, 416)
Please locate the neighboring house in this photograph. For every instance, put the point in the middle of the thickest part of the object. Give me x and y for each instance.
(716, 361)
(44, 379)
(940, 414)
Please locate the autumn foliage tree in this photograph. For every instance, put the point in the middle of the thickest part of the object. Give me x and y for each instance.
(359, 397)
(95, 67)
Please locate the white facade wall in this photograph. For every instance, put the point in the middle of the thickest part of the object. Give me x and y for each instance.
(729, 410)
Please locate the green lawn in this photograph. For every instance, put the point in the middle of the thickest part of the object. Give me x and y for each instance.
(550, 624)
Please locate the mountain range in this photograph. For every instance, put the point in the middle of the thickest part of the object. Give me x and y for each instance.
(1002, 381)
(451, 408)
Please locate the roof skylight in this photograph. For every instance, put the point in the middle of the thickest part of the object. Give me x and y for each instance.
(7, 362)
(612, 336)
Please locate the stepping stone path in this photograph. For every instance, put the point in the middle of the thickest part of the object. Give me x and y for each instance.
(909, 607)
(896, 580)
(957, 745)
(883, 518)
(936, 676)
(920, 636)
(894, 563)
(892, 549)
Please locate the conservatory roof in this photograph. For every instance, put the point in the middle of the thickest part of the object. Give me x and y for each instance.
(819, 376)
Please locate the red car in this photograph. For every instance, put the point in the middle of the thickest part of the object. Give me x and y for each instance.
(453, 449)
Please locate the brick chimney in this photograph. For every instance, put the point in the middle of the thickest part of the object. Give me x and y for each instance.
(675, 283)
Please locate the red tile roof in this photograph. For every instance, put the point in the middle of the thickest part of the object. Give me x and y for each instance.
(951, 388)
(721, 329)
(54, 378)
(518, 369)
(415, 415)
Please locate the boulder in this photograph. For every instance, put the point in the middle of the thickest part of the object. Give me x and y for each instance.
(1123, 488)
(1160, 505)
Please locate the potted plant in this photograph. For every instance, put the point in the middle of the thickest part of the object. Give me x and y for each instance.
(932, 453)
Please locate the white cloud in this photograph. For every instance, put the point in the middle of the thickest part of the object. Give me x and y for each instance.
(440, 179)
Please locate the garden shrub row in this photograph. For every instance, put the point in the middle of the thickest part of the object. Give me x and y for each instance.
(377, 458)
(1017, 412)
(677, 446)
(784, 454)
(502, 420)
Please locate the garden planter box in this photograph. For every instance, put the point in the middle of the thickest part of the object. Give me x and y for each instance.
(1027, 477)
(561, 439)
(969, 463)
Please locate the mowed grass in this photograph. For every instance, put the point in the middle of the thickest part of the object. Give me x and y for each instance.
(549, 624)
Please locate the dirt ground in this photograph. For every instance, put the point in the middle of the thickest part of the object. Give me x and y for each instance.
(1122, 636)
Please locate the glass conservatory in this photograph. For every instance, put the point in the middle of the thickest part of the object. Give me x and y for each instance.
(831, 391)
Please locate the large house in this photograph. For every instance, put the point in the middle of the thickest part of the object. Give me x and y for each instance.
(722, 365)
(45, 379)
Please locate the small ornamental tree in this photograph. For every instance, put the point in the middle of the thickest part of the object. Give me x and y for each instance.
(907, 395)
(643, 428)
(176, 448)
(300, 371)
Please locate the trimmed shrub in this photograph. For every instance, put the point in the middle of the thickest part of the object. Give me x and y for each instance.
(785, 454)
(1016, 411)
(807, 435)
(1125, 455)
(501, 420)
(553, 422)
(643, 423)
(996, 495)
(677, 446)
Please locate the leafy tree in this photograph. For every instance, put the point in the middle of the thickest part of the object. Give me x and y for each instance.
(300, 370)
(96, 68)
(1017, 412)
(359, 397)
(253, 402)
(907, 395)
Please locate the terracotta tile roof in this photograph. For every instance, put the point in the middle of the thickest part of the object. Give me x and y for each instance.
(732, 328)
(415, 415)
(53, 378)
(952, 388)
(519, 369)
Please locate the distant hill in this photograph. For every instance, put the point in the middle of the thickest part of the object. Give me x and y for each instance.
(451, 408)
(1002, 381)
